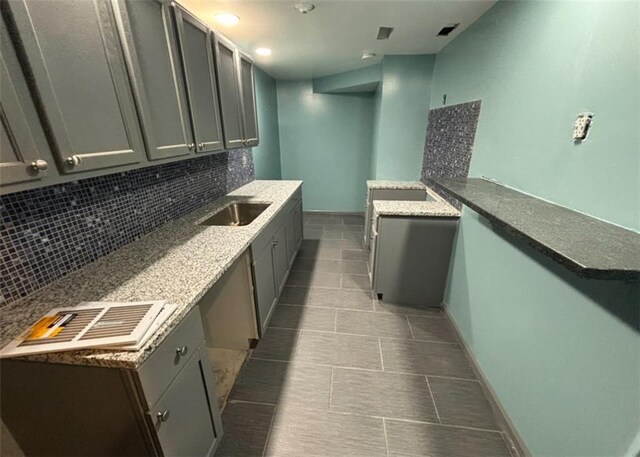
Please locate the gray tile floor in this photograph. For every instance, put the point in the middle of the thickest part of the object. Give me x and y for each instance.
(340, 374)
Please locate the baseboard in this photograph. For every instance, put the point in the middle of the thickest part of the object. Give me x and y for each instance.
(515, 442)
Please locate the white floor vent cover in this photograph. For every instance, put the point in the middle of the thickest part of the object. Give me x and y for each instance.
(89, 325)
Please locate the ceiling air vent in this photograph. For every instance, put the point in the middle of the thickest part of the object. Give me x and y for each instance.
(384, 32)
(448, 29)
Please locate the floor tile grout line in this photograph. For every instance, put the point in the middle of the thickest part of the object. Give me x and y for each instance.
(433, 399)
(413, 337)
(252, 402)
(464, 427)
(358, 334)
(331, 389)
(346, 367)
(335, 321)
(386, 440)
(266, 441)
(381, 358)
(297, 345)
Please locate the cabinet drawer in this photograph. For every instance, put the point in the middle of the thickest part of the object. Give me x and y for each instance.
(165, 362)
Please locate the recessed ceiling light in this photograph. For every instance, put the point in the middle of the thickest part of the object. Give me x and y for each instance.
(227, 19)
(304, 8)
(263, 51)
(368, 55)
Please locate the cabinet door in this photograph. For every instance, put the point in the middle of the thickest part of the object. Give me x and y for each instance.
(290, 237)
(280, 256)
(264, 279)
(229, 93)
(186, 418)
(248, 97)
(78, 68)
(198, 66)
(147, 32)
(298, 224)
(19, 157)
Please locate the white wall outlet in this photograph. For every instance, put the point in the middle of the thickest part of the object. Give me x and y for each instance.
(582, 125)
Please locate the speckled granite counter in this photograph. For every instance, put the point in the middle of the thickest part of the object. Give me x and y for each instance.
(585, 245)
(437, 207)
(178, 263)
(395, 185)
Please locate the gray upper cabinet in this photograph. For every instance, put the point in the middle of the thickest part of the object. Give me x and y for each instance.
(79, 76)
(196, 51)
(229, 93)
(248, 98)
(147, 33)
(20, 160)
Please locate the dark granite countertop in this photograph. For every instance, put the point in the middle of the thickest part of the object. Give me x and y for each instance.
(590, 247)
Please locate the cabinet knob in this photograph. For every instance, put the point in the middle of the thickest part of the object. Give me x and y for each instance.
(163, 416)
(201, 146)
(39, 165)
(72, 161)
(275, 243)
(182, 351)
(191, 146)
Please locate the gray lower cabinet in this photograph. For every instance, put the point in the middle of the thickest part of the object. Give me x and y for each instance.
(281, 256)
(168, 406)
(147, 33)
(273, 252)
(387, 194)
(185, 422)
(409, 258)
(264, 283)
(229, 91)
(196, 50)
(73, 52)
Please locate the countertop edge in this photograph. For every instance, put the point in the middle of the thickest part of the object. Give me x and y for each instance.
(135, 359)
(556, 255)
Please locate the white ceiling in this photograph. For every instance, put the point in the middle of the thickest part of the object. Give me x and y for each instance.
(332, 37)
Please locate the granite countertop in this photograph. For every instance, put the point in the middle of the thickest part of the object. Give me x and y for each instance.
(395, 185)
(178, 263)
(590, 247)
(436, 208)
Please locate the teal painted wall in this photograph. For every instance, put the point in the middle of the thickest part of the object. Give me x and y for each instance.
(365, 79)
(536, 65)
(325, 140)
(401, 120)
(266, 156)
(562, 353)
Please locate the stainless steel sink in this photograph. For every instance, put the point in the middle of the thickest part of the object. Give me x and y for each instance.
(236, 214)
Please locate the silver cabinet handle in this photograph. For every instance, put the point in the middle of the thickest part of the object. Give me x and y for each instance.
(182, 351)
(275, 243)
(191, 146)
(72, 161)
(39, 165)
(163, 416)
(201, 146)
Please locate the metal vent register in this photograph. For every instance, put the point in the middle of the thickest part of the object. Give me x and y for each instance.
(89, 325)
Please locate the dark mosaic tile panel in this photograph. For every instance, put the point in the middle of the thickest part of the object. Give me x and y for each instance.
(451, 132)
(49, 232)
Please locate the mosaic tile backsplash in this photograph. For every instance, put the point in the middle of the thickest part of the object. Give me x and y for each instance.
(451, 133)
(49, 232)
